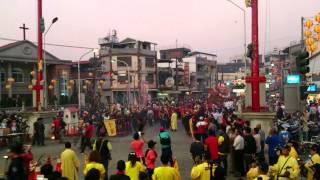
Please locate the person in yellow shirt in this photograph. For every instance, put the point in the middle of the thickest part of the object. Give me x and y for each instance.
(133, 167)
(287, 167)
(202, 170)
(174, 121)
(165, 172)
(263, 171)
(94, 163)
(69, 163)
(315, 159)
(253, 171)
(293, 153)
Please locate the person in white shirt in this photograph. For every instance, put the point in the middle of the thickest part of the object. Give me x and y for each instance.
(257, 137)
(238, 146)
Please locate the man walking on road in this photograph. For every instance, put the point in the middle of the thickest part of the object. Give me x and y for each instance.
(69, 163)
(165, 142)
(165, 172)
(88, 133)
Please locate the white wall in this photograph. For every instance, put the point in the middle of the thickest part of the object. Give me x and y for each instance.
(192, 63)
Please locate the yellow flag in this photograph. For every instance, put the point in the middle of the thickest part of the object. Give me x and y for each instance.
(111, 127)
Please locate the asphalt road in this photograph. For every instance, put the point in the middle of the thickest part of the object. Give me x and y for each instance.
(121, 148)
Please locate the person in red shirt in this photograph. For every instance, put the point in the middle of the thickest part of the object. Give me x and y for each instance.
(88, 133)
(151, 156)
(211, 144)
(27, 157)
(56, 125)
(137, 146)
(202, 126)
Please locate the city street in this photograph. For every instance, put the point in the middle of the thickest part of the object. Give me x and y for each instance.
(121, 148)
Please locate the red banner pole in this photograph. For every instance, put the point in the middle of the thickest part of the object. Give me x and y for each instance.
(38, 85)
(255, 60)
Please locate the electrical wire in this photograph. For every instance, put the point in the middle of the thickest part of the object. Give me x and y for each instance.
(51, 44)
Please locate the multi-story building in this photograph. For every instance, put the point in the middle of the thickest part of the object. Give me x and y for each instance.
(18, 71)
(202, 70)
(277, 67)
(129, 67)
(171, 71)
(188, 71)
(229, 72)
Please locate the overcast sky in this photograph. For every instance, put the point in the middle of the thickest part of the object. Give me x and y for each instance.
(213, 26)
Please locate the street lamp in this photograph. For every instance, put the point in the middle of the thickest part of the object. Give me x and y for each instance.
(79, 84)
(129, 84)
(45, 94)
(244, 33)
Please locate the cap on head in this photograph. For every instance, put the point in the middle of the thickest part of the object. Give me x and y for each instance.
(151, 144)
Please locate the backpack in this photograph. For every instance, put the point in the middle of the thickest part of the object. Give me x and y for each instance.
(101, 145)
(165, 141)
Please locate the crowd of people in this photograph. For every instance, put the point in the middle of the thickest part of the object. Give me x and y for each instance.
(223, 145)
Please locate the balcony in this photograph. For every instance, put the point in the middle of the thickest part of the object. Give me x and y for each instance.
(127, 51)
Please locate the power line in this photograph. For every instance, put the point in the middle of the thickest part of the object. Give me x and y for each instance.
(50, 44)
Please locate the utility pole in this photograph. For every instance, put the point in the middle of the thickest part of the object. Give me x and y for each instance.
(176, 75)
(302, 21)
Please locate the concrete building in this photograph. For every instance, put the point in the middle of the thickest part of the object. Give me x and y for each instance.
(171, 71)
(278, 64)
(202, 70)
(140, 57)
(18, 67)
(196, 71)
(229, 72)
(276, 69)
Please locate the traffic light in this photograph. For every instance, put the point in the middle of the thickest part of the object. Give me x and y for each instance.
(303, 92)
(42, 26)
(302, 63)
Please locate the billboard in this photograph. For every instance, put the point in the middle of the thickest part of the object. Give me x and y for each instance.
(293, 79)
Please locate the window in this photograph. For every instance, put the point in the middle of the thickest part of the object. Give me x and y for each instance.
(63, 83)
(3, 75)
(126, 59)
(150, 78)
(17, 75)
(123, 79)
(150, 62)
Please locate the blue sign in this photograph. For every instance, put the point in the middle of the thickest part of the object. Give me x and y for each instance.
(312, 88)
(293, 79)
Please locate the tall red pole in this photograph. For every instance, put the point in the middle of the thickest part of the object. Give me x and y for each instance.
(38, 85)
(255, 60)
